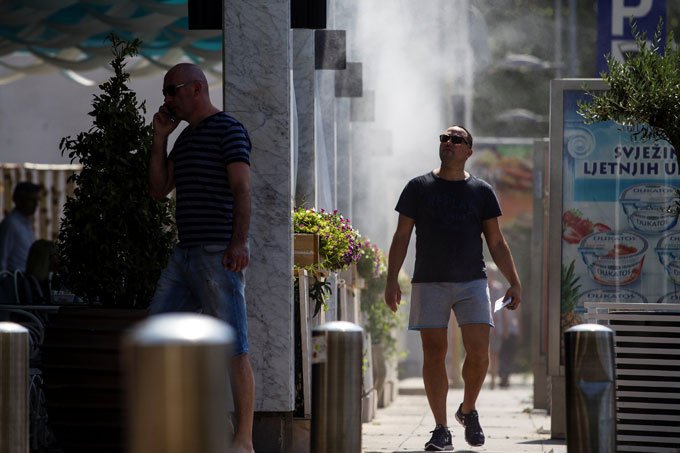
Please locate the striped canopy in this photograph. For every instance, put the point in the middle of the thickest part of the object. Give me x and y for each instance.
(38, 36)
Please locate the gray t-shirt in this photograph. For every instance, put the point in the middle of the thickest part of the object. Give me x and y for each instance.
(448, 221)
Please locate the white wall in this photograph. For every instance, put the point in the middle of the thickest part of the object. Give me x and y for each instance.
(37, 111)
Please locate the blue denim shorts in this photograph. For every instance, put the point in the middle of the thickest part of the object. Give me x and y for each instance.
(195, 281)
(431, 304)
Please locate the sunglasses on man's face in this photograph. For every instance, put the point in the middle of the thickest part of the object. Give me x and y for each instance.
(455, 139)
(171, 90)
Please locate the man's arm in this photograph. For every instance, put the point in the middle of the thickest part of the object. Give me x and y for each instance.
(395, 260)
(500, 252)
(161, 170)
(237, 256)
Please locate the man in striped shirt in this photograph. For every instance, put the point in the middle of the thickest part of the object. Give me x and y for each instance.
(209, 166)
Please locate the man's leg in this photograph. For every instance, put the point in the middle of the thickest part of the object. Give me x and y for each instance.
(476, 364)
(222, 294)
(172, 292)
(243, 389)
(434, 371)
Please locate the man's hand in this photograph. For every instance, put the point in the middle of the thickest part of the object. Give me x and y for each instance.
(164, 122)
(516, 293)
(392, 295)
(236, 257)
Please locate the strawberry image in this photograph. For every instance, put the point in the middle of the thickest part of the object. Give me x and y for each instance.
(600, 227)
(575, 227)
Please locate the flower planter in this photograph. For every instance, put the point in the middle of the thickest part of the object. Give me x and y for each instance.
(82, 385)
(306, 248)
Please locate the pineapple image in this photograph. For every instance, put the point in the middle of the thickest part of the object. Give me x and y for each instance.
(570, 289)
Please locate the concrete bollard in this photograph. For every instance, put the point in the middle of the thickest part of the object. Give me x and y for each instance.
(177, 380)
(13, 388)
(590, 389)
(337, 349)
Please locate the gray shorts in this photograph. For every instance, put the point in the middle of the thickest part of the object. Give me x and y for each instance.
(431, 304)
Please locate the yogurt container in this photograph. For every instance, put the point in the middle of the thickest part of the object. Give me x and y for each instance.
(613, 258)
(650, 207)
(668, 251)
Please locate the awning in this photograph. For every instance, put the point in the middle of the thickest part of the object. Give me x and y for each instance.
(38, 36)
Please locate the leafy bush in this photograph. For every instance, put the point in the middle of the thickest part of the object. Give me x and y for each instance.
(114, 238)
(380, 320)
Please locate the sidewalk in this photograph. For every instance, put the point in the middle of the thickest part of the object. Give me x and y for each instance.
(507, 416)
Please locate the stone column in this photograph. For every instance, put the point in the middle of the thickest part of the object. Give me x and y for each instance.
(327, 173)
(256, 91)
(344, 158)
(304, 81)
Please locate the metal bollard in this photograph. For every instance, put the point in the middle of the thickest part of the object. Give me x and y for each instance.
(337, 349)
(13, 388)
(177, 380)
(590, 388)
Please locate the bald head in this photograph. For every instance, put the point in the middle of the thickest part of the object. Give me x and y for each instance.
(186, 94)
(188, 71)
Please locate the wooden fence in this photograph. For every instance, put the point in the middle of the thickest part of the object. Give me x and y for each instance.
(54, 180)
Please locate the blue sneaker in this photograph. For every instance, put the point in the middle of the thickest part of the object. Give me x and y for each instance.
(473, 431)
(441, 439)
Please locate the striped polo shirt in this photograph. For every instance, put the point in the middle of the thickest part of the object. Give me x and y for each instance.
(205, 203)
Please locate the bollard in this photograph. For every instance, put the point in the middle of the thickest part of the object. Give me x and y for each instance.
(177, 380)
(337, 349)
(13, 388)
(590, 388)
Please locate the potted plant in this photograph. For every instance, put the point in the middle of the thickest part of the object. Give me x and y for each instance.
(113, 242)
(379, 320)
(339, 246)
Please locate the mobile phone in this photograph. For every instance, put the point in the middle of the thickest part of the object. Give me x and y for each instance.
(173, 118)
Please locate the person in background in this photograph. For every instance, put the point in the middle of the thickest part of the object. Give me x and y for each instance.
(509, 333)
(16, 229)
(496, 291)
(209, 166)
(41, 265)
(451, 210)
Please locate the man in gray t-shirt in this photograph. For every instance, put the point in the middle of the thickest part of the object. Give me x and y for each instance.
(451, 210)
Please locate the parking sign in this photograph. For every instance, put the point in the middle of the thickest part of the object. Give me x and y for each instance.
(614, 35)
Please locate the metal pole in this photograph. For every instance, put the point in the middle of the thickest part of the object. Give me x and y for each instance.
(13, 388)
(177, 379)
(590, 388)
(558, 39)
(337, 349)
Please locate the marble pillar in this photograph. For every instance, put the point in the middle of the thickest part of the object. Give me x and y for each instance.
(327, 169)
(304, 82)
(256, 91)
(344, 158)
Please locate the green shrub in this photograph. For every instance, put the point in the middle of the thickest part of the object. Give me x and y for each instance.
(114, 240)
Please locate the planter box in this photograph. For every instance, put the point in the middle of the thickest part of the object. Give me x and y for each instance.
(82, 385)
(306, 247)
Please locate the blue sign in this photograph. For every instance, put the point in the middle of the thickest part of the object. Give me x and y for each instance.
(614, 35)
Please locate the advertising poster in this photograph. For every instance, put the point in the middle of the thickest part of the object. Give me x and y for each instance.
(508, 166)
(620, 233)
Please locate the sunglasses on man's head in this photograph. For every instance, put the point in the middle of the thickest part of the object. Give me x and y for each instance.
(455, 139)
(171, 90)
